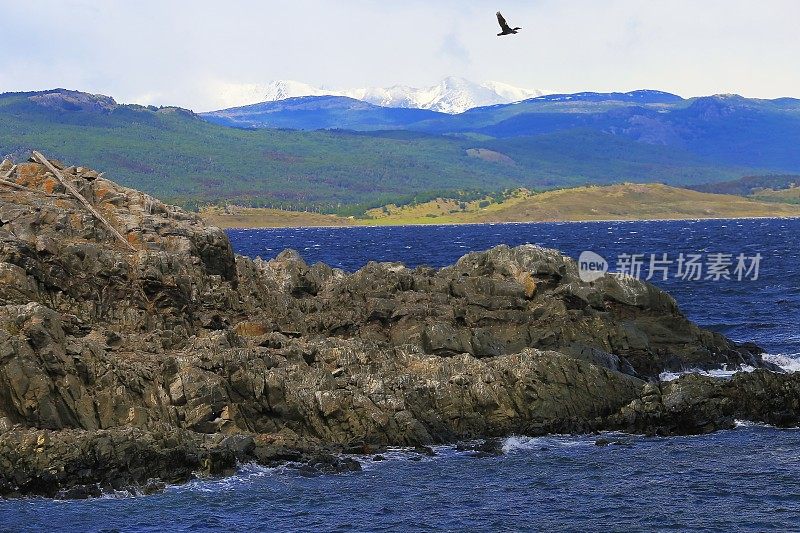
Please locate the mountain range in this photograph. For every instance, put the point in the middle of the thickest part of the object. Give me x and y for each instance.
(358, 155)
(723, 129)
(452, 95)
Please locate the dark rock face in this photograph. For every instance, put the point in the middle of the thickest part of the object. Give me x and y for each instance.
(697, 404)
(124, 368)
(495, 303)
(75, 464)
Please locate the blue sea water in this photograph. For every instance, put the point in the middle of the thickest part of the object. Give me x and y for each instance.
(765, 311)
(747, 479)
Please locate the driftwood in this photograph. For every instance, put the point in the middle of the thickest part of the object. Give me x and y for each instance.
(8, 174)
(17, 186)
(74, 192)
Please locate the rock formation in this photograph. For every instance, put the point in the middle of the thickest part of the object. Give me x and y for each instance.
(126, 367)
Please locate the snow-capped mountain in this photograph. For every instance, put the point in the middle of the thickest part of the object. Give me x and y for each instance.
(452, 95)
(513, 94)
(281, 90)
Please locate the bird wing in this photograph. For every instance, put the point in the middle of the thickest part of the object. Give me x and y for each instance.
(503, 24)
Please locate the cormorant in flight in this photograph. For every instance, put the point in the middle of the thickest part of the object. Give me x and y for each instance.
(507, 30)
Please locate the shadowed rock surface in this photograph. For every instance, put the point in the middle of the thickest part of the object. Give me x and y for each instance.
(123, 368)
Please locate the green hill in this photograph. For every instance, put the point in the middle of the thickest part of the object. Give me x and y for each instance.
(175, 155)
(749, 185)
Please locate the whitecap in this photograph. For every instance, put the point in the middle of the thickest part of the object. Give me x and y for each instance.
(511, 444)
(751, 424)
(243, 476)
(717, 373)
(788, 362)
(520, 443)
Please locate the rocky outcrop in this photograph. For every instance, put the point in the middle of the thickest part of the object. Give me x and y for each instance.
(146, 365)
(494, 303)
(698, 404)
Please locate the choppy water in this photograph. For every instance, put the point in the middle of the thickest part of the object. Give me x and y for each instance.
(765, 311)
(746, 479)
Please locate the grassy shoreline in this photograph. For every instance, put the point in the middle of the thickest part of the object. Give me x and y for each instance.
(626, 202)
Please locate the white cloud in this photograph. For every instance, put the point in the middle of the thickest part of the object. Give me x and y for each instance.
(453, 46)
(182, 52)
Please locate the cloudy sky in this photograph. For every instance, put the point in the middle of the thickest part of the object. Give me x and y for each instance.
(192, 53)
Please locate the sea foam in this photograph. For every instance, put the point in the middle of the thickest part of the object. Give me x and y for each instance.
(718, 373)
(787, 362)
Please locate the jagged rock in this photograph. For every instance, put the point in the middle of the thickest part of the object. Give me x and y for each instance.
(75, 463)
(178, 356)
(697, 404)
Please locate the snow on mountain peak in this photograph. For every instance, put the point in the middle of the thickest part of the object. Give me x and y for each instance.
(452, 95)
(511, 93)
(283, 89)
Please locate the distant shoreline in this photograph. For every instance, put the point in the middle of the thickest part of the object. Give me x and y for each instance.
(611, 203)
(510, 223)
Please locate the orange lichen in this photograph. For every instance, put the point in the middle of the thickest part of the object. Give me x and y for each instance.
(251, 329)
(30, 174)
(528, 283)
(50, 185)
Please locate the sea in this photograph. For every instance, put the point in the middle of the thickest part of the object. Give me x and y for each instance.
(738, 277)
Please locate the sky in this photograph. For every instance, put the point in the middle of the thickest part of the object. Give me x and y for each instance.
(192, 53)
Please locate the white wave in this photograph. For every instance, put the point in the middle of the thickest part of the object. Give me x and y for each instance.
(518, 443)
(788, 362)
(245, 475)
(751, 424)
(718, 373)
(511, 444)
(133, 492)
(745, 424)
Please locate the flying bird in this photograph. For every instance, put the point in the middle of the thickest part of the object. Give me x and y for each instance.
(507, 30)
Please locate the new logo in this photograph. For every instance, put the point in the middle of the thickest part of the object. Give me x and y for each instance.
(591, 266)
